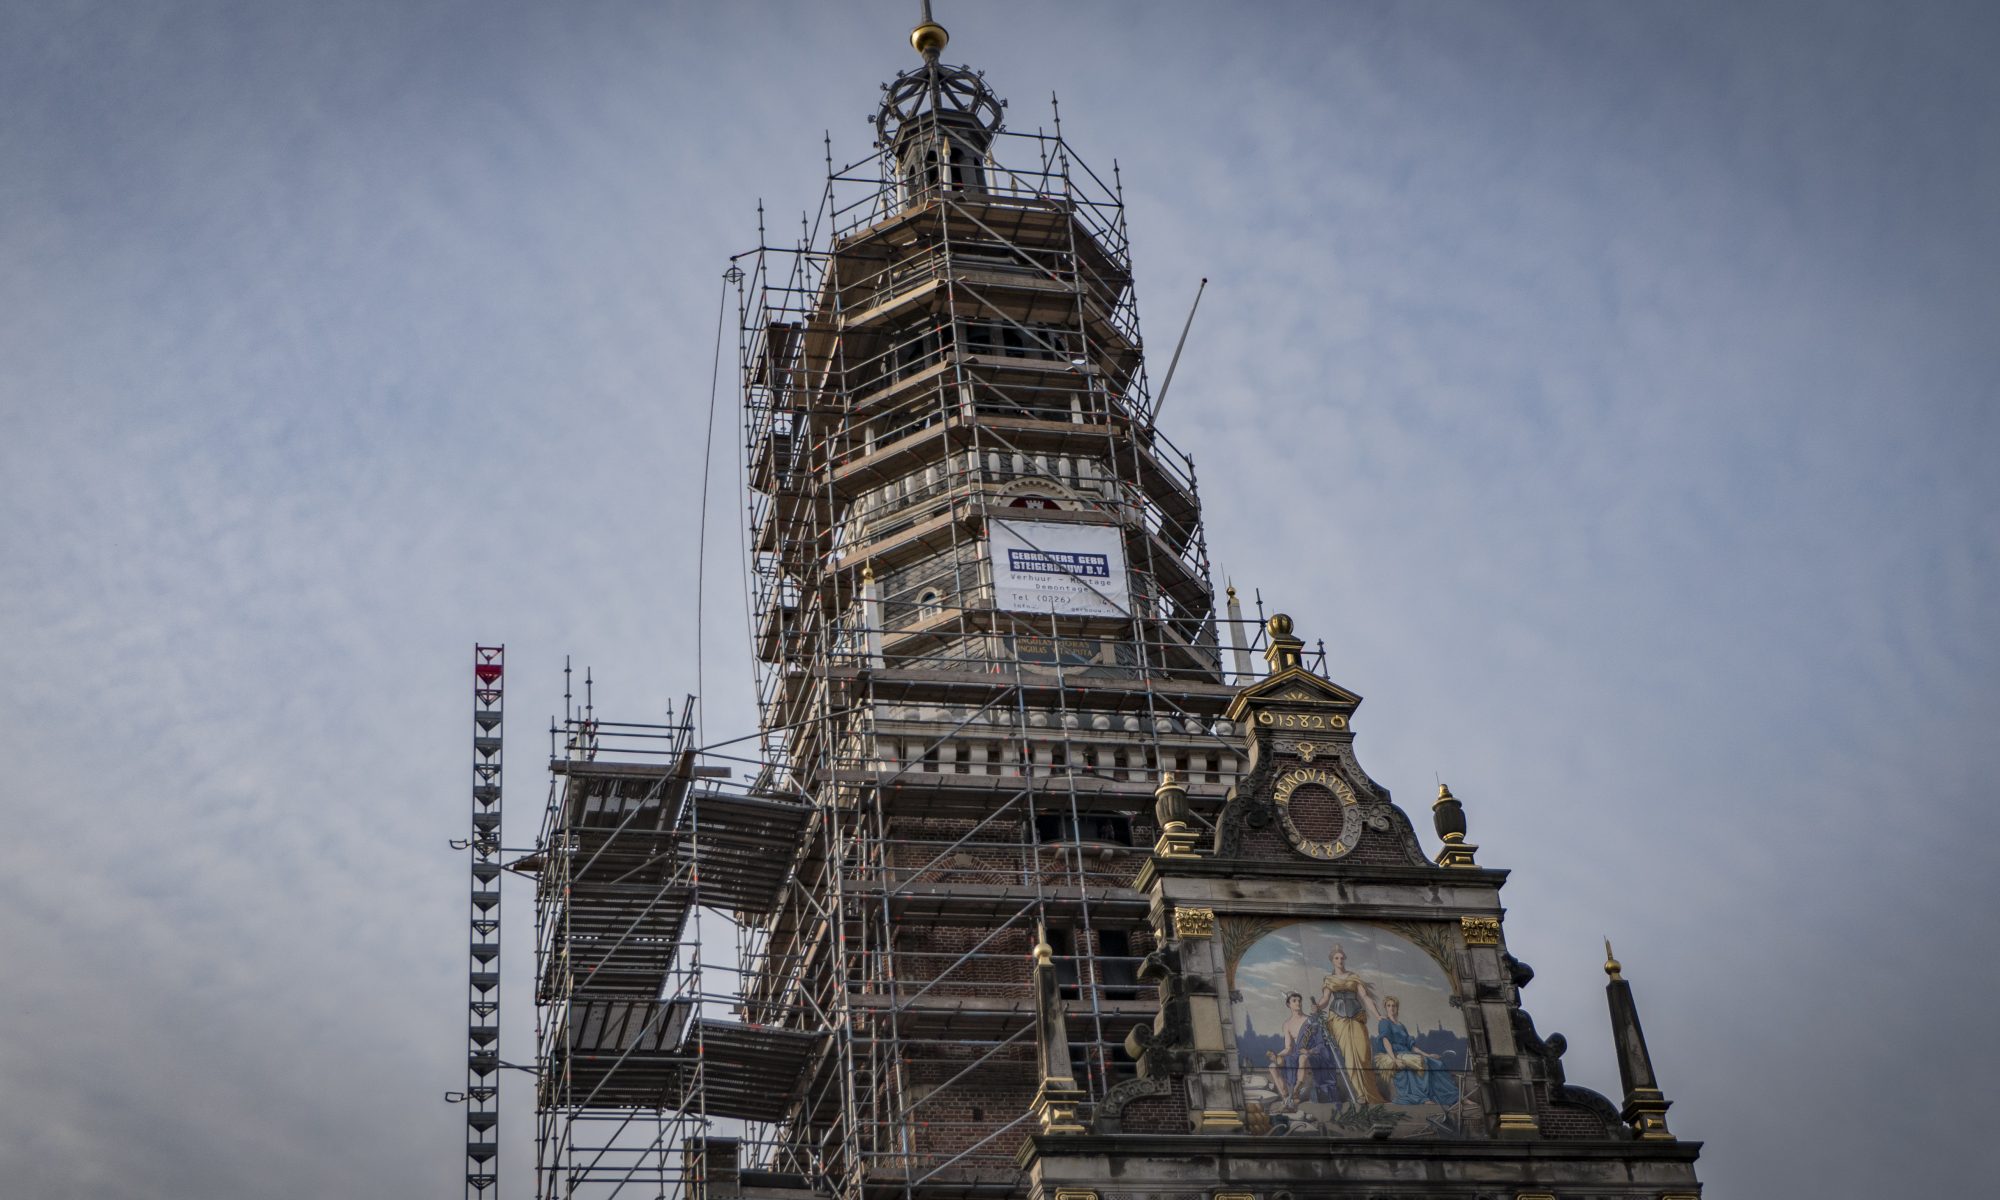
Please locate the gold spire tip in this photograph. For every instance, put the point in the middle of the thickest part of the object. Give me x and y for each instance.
(1612, 967)
(1444, 792)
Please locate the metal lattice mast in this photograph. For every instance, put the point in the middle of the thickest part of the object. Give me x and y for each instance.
(482, 1034)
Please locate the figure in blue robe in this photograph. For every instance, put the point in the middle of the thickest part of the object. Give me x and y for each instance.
(1418, 1077)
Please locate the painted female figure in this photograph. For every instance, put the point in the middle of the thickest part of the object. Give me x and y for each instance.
(1345, 1004)
(1306, 1069)
(1419, 1075)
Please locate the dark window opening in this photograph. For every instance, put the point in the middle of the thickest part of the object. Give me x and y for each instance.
(1112, 828)
(916, 352)
(1097, 1067)
(1116, 966)
(1079, 1063)
(1063, 943)
(962, 167)
(967, 171)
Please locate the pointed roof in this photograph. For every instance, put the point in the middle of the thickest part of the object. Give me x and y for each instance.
(1289, 681)
(1293, 685)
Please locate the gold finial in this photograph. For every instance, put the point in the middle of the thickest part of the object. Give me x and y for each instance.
(1045, 955)
(929, 37)
(1611, 965)
(1284, 651)
(1171, 810)
(1230, 590)
(1448, 815)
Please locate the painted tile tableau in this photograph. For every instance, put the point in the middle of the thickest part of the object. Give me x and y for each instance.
(1348, 1029)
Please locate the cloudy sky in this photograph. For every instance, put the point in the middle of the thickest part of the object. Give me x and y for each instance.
(1612, 386)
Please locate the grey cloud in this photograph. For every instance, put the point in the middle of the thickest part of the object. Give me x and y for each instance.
(1610, 386)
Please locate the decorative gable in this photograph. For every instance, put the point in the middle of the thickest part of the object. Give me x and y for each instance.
(1296, 687)
(1305, 801)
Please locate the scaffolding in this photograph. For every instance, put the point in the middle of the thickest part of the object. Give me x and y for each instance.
(949, 354)
(652, 869)
(812, 977)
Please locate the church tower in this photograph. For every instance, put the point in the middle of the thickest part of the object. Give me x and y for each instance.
(986, 625)
(1044, 887)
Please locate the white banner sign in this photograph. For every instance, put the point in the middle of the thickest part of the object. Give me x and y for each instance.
(1043, 566)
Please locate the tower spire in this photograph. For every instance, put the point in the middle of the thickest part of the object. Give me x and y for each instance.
(1645, 1108)
(937, 122)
